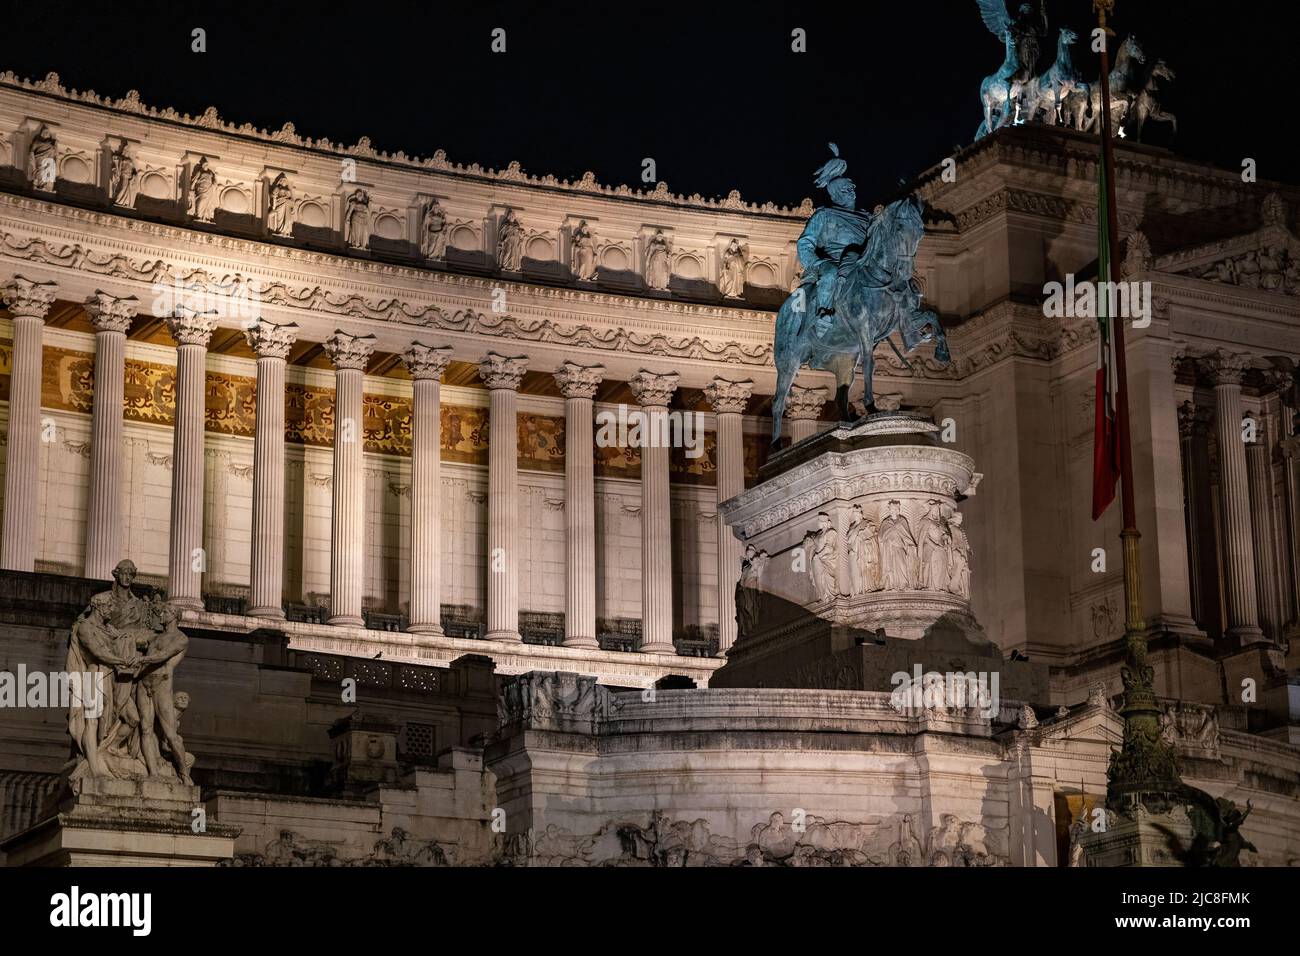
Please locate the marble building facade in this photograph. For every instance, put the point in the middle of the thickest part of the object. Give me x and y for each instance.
(347, 397)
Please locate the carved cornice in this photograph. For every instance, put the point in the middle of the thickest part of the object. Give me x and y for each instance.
(28, 299)
(269, 340)
(192, 328)
(805, 403)
(652, 390)
(288, 136)
(727, 397)
(1056, 208)
(108, 313)
(501, 371)
(349, 352)
(425, 361)
(579, 381)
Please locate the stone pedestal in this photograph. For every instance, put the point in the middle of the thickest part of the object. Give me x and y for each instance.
(1145, 839)
(103, 821)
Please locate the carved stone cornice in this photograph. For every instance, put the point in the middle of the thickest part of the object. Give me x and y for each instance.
(1057, 208)
(579, 381)
(652, 390)
(501, 371)
(28, 299)
(192, 328)
(349, 352)
(806, 403)
(426, 361)
(728, 397)
(269, 340)
(108, 313)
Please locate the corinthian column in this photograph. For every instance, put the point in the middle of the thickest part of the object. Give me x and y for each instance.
(502, 376)
(1243, 614)
(271, 343)
(578, 384)
(802, 409)
(653, 393)
(27, 302)
(729, 400)
(1259, 473)
(186, 560)
(111, 317)
(426, 366)
(350, 355)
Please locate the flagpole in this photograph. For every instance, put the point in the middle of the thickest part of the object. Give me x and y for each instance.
(1144, 770)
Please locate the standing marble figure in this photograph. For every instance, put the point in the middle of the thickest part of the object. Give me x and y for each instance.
(822, 548)
(203, 191)
(657, 268)
(897, 550)
(584, 253)
(510, 244)
(279, 218)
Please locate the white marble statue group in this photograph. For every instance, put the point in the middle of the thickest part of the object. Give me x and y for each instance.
(889, 555)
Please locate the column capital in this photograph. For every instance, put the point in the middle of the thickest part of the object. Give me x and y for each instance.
(192, 328)
(108, 313)
(501, 371)
(27, 298)
(349, 351)
(1224, 367)
(805, 403)
(579, 381)
(426, 361)
(1193, 420)
(269, 340)
(728, 397)
(651, 389)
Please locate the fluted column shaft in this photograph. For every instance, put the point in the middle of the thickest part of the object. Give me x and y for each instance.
(578, 385)
(426, 366)
(350, 355)
(186, 559)
(653, 392)
(729, 400)
(271, 343)
(502, 376)
(1291, 478)
(28, 302)
(1260, 478)
(1243, 611)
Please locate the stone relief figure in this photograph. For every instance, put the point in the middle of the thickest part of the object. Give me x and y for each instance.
(731, 280)
(658, 269)
(433, 231)
(279, 216)
(121, 180)
(510, 243)
(584, 253)
(356, 222)
(42, 160)
(864, 553)
(1077, 830)
(933, 547)
(823, 550)
(749, 593)
(958, 557)
(131, 647)
(203, 192)
(897, 550)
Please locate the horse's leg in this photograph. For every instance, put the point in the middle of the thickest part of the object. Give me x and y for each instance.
(843, 367)
(784, 379)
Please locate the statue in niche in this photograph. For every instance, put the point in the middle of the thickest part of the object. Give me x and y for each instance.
(658, 269)
(510, 243)
(42, 162)
(203, 192)
(897, 550)
(356, 222)
(279, 215)
(583, 253)
(934, 544)
(121, 179)
(864, 553)
(124, 710)
(749, 595)
(433, 231)
(958, 557)
(731, 280)
(823, 550)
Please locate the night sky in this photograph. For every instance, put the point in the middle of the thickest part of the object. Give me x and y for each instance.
(710, 90)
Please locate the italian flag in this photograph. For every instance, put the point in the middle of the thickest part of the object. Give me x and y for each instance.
(1105, 444)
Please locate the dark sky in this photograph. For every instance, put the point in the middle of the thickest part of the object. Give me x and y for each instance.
(710, 90)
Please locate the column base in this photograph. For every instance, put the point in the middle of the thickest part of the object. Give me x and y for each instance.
(432, 629)
(346, 620)
(272, 613)
(1247, 635)
(511, 636)
(663, 647)
(589, 643)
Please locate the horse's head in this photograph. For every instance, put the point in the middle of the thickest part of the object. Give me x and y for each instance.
(1162, 71)
(1068, 36)
(1132, 48)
